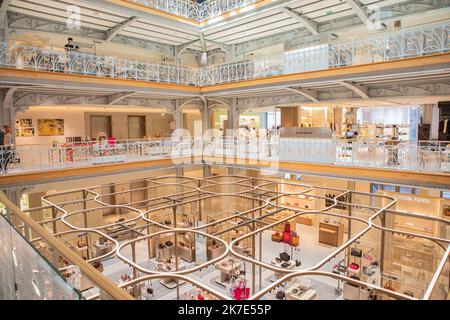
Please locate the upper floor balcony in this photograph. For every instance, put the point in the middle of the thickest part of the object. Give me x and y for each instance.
(413, 156)
(389, 46)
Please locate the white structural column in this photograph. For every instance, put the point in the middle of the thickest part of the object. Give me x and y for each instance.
(205, 117)
(178, 115)
(233, 116)
(8, 112)
(430, 115)
(4, 19)
(434, 134)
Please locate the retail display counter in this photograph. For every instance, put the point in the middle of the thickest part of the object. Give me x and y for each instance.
(331, 233)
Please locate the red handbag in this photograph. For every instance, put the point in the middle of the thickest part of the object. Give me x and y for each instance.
(286, 237)
(287, 227)
(241, 293)
(354, 266)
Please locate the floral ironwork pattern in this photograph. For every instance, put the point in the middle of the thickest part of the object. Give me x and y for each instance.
(389, 46)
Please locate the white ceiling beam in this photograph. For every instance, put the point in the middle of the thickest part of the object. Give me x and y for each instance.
(356, 88)
(362, 15)
(202, 42)
(305, 93)
(185, 46)
(4, 18)
(119, 97)
(3, 9)
(111, 33)
(309, 24)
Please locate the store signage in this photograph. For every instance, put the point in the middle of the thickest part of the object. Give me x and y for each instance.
(293, 132)
(415, 199)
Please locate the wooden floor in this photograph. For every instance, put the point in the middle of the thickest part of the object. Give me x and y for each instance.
(424, 179)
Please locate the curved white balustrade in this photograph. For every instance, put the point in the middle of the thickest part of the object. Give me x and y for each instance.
(406, 43)
(196, 11)
(424, 156)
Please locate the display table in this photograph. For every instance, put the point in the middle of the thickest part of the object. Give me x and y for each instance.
(214, 251)
(186, 253)
(102, 248)
(168, 265)
(331, 233)
(354, 292)
(297, 291)
(279, 264)
(227, 268)
(120, 232)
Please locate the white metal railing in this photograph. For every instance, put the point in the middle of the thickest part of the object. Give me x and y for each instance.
(388, 46)
(42, 59)
(395, 45)
(426, 156)
(214, 8)
(184, 8)
(196, 11)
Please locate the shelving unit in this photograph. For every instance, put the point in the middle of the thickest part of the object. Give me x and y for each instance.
(331, 233)
(215, 249)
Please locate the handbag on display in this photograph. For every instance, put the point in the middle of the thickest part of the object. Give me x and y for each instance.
(287, 227)
(368, 257)
(277, 237)
(286, 237)
(388, 286)
(241, 293)
(284, 256)
(294, 239)
(169, 243)
(280, 295)
(287, 233)
(356, 252)
(354, 266)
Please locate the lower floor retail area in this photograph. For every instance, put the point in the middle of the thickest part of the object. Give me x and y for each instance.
(202, 232)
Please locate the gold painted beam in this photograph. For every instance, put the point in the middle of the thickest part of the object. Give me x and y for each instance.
(337, 171)
(88, 79)
(73, 173)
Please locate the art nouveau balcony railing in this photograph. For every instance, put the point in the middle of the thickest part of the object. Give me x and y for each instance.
(396, 45)
(214, 8)
(184, 8)
(389, 46)
(422, 156)
(41, 59)
(196, 11)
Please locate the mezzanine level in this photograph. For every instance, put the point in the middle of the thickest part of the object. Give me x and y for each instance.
(341, 158)
(391, 46)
